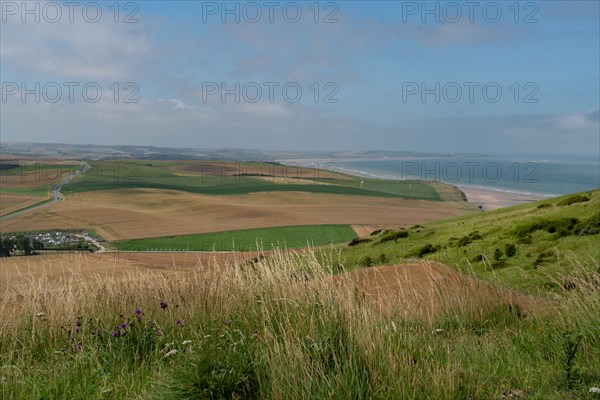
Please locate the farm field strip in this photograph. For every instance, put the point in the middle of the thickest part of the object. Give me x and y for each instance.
(145, 213)
(284, 237)
(218, 180)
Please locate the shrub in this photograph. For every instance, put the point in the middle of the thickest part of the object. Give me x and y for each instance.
(367, 261)
(357, 240)
(382, 258)
(576, 198)
(591, 226)
(510, 250)
(393, 236)
(424, 250)
(497, 254)
(550, 225)
(477, 258)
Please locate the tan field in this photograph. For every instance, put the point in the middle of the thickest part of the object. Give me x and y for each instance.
(143, 213)
(54, 267)
(13, 202)
(33, 175)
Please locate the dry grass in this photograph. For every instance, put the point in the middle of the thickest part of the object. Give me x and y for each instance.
(287, 327)
(13, 202)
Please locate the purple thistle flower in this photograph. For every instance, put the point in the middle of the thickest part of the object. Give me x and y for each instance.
(115, 334)
(79, 346)
(77, 329)
(138, 311)
(163, 304)
(78, 323)
(123, 326)
(159, 333)
(178, 322)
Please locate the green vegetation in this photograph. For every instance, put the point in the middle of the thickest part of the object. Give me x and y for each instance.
(523, 246)
(105, 175)
(39, 191)
(246, 240)
(256, 333)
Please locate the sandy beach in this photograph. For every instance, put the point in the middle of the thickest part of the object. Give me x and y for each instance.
(491, 199)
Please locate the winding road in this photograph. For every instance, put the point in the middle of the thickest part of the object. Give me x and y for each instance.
(54, 191)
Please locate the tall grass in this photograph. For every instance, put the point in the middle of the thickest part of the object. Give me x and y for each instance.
(284, 327)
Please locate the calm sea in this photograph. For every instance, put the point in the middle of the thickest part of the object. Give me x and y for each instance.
(555, 176)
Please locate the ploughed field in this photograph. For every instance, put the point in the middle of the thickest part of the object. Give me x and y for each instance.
(164, 200)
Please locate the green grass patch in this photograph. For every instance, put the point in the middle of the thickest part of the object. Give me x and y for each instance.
(245, 240)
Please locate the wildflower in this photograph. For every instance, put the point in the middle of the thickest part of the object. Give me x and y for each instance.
(138, 311)
(79, 346)
(159, 333)
(78, 323)
(115, 334)
(123, 326)
(163, 304)
(178, 322)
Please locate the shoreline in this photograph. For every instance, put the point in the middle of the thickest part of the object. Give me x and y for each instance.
(493, 199)
(486, 197)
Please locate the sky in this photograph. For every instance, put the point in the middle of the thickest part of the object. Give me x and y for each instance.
(471, 76)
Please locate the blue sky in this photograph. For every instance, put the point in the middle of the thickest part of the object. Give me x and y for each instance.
(366, 57)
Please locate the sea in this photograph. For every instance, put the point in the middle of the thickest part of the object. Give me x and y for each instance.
(529, 175)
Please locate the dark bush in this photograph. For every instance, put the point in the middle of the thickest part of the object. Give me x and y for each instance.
(510, 250)
(388, 237)
(367, 261)
(477, 258)
(576, 198)
(497, 254)
(382, 258)
(550, 225)
(358, 240)
(590, 226)
(426, 249)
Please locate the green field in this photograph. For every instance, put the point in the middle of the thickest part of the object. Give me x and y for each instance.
(107, 175)
(544, 237)
(40, 191)
(246, 240)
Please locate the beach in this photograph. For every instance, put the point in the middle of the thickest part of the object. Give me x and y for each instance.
(490, 199)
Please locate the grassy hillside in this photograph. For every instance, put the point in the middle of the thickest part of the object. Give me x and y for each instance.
(285, 328)
(522, 246)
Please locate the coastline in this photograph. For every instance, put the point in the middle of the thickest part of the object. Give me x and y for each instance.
(486, 197)
(492, 199)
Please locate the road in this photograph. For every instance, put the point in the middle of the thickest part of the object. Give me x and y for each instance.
(54, 191)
